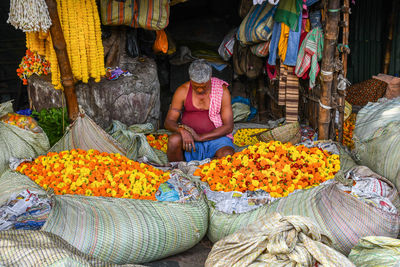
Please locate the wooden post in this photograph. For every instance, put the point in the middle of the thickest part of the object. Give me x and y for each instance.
(327, 69)
(59, 45)
(388, 51)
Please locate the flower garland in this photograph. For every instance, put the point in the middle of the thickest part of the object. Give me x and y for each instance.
(348, 128)
(243, 137)
(92, 173)
(80, 23)
(31, 64)
(159, 142)
(276, 168)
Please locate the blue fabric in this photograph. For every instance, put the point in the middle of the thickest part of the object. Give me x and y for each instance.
(315, 19)
(207, 149)
(253, 110)
(26, 112)
(311, 2)
(293, 45)
(273, 45)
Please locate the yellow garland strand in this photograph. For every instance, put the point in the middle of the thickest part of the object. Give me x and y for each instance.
(80, 23)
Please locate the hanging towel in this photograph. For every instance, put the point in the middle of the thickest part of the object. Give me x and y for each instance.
(283, 41)
(309, 54)
(273, 45)
(288, 94)
(293, 46)
(288, 12)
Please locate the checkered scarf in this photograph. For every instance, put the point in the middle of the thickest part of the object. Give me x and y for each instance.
(215, 102)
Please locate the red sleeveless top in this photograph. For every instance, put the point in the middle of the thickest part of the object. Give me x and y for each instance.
(195, 118)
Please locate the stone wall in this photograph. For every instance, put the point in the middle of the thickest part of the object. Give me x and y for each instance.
(131, 100)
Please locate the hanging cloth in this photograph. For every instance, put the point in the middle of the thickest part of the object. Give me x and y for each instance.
(288, 94)
(288, 12)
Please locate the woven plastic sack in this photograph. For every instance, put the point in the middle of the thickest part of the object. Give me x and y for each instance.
(17, 142)
(241, 112)
(257, 26)
(275, 240)
(342, 217)
(285, 133)
(133, 140)
(376, 251)
(38, 248)
(377, 139)
(260, 50)
(127, 230)
(85, 134)
(146, 14)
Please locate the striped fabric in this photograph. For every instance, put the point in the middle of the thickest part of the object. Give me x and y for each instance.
(85, 134)
(125, 231)
(342, 217)
(261, 49)
(257, 26)
(217, 91)
(147, 14)
(39, 248)
(289, 92)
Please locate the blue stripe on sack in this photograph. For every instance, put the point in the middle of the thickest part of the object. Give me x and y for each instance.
(269, 14)
(252, 20)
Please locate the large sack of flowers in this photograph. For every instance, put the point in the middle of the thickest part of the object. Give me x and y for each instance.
(296, 180)
(20, 136)
(116, 209)
(377, 138)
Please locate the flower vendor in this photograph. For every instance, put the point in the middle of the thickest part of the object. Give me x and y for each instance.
(200, 117)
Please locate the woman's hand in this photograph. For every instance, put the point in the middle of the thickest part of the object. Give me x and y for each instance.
(187, 140)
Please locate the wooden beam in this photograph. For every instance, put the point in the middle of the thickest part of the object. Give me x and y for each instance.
(327, 69)
(59, 45)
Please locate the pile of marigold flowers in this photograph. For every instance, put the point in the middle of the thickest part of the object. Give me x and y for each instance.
(21, 121)
(92, 173)
(159, 142)
(243, 137)
(276, 168)
(348, 128)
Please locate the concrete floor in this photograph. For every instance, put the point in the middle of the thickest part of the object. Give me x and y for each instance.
(194, 257)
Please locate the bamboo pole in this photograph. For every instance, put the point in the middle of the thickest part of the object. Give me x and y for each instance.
(330, 40)
(59, 45)
(345, 41)
(386, 62)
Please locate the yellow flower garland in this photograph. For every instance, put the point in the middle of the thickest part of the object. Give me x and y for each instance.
(80, 23)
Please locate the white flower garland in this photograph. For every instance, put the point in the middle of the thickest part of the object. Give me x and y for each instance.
(29, 15)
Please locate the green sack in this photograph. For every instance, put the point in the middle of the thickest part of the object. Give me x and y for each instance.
(376, 251)
(240, 112)
(18, 143)
(342, 217)
(133, 140)
(377, 139)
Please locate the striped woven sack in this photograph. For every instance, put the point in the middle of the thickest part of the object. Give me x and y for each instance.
(147, 14)
(373, 251)
(341, 216)
(19, 143)
(257, 26)
(39, 248)
(260, 50)
(377, 139)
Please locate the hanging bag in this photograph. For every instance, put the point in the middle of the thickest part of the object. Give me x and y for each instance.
(147, 14)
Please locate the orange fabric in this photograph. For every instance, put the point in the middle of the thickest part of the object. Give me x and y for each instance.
(283, 41)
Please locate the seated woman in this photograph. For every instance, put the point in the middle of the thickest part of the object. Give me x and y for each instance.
(203, 106)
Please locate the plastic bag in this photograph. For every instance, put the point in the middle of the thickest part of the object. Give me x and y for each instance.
(225, 49)
(161, 43)
(22, 121)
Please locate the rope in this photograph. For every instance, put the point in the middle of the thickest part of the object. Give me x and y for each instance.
(324, 106)
(334, 10)
(326, 73)
(342, 83)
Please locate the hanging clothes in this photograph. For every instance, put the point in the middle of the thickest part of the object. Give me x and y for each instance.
(273, 45)
(309, 54)
(288, 12)
(293, 45)
(288, 94)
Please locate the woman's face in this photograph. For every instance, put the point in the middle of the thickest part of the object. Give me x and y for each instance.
(201, 88)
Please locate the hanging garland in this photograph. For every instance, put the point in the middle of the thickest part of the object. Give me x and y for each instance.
(29, 15)
(80, 23)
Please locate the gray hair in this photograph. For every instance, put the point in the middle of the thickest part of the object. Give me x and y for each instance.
(200, 71)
